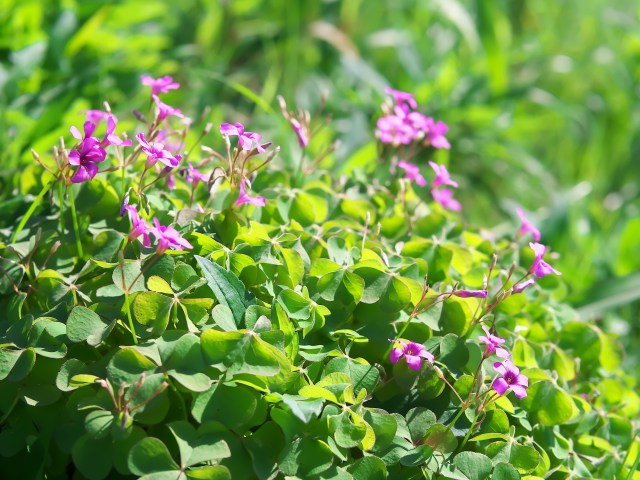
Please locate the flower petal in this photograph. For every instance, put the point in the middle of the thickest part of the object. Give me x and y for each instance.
(500, 385)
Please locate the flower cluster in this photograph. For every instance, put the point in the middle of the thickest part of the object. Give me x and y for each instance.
(167, 236)
(403, 124)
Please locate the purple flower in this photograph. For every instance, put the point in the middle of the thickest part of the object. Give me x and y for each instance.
(87, 155)
(165, 110)
(160, 85)
(413, 353)
(520, 287)
(193, 175)
(300, 125)
(526, 226)
(444, 197)
(243, 197)
(393, 129)
(168, 237)
(400, 97)
(412, 173)
(301, 132)
(171, 182)
(245, 139)
(139, 226)
(493, 343)
(471, 293)
(511, 379)
(442, 176)
(540, 268)
(110, 138)
(96, 116)
(436, 133)
(155, 151)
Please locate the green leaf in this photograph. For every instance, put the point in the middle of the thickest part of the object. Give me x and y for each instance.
(16, 364)
(219, 472)
(199, 446)
(233, 406)
(440, 438)
(384, 427)
(150, 455)
(302, 407)
(474, 465)
(265, 446)
(240, 352)
(523, 458)
(295, 305)
(504, 471)
(132, 272)
(227, 288)
(419, 421)
(416, 457)
(369, 468)
(98, 423)
(127, 365)
(548, 404)
(92, 457)
(306, 457)
(453, 351)
(346, 433)
(69, 368)
(84, 324)
(223, 317)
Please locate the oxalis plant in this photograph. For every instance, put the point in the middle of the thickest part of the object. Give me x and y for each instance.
(175, 305)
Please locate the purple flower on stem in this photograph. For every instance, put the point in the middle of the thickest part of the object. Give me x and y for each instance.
(412, 173)
(471, 293)
(165, 110)
(511, 379)
(160, 85)
(156, 152)
(87, 155)
(245, 139)
(493, 343)
(243, 197)
(168, 237)
(526, 226)
(110, 138)
(520, 287)
(400, 97)
(413, 353)
(444, 197)
(540, 268)
(442, 176)
(193, 175)
(393, 129)
(140, 228)
(436, 133)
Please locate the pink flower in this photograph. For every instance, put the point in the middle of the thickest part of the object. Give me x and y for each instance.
(139, 226)
(436, 133)
(400, 97)
(444, 197)
(245, 139)
(86, 155)
(470, 293)
(193, 175)
(160, 85)
(164, 110)
(96, 116)
(413, 353)
(526, 226)
(156, 152)
(171, 182)
(393, 129)
(110, 138)
(511, 379)
(168, 237)
(442, 176)
(540, 268)
(412, 173)
(520, 287)
(493, 343)
(243, 197)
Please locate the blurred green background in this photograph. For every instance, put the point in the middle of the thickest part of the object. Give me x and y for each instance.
(541, 97)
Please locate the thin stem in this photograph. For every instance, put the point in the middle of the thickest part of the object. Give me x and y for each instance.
(466, 437)
(32, 209)
(74, 216)
(128, 305)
